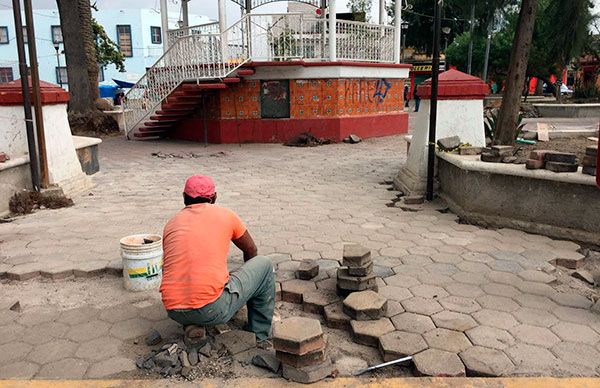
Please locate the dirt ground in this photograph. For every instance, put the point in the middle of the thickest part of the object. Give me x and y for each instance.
(575, 145)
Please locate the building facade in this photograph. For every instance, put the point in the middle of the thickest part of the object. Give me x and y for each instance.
(136, 31)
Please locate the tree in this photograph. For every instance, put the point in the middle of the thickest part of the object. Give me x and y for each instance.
(360, 7)
(508, 116)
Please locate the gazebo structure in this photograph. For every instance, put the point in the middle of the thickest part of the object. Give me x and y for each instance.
(269, 77)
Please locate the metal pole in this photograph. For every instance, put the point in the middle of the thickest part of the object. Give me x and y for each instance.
(382, 12)
(397, 29)
(33, 157)
(322, 26)
(184, 11)
(37, 95)
(58, 68)
(332, 31)
(248, 12)
(435, 71)
(223, 27)
(486, 60)
(164, 23)
(471, 28)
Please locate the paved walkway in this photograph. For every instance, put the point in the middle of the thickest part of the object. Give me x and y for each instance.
(456, 286)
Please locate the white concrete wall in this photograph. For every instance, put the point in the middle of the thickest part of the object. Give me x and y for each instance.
(13, 138)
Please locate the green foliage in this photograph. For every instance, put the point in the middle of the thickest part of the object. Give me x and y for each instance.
(107, 51)
(587, 91)
(490, 122)
(360, 7)
(285, 46)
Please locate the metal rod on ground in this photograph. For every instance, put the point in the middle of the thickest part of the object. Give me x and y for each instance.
(435, 72)
(371, 368)
(33, 157)
(37, 95)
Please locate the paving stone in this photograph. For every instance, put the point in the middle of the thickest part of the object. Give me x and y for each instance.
(534, 317)
(466, 290)
(475, 279)
(327, 284)
(402, 281)
(460, 304)
(435, 279)
(413, 323)
(365, 270)
(477, 257)
(471, 266)
(536, 276)
(52, 351)
(572, 332)
(500, 290)
(531, 357)
(298, 335)
(292, 290)
(394, 308)
(577, 353)
(354, 283)
(311, 358)
(383, 271)
(567, 259)
(308, 269)
(78, 315)
(535, 302)
(365, 306)
(87, 331)
(266, 360)
(448, 340)
(110, 367)
(395, 293)
(120, 313)
(10, 332)
(308, 375)
(23, 272)
(534, 335)
(495, 318)
(447, 258)
(398, 344)
(416, 259)
(315, 301)
(446, 269)
(438, 363)
(13, 351)
(507, 278)
(535, 288)
(288, 266)
(130, 328)
(571, 300)
(236, 341)
(428, 291)
(422, 306)
(368, 332)
(335, 317)
(355, 255)
(485, 362)
(44, 332)
(99, 349)
(68, 368)
(20, 370)
(500, 303)
(490, 337)
(59, 270)
(408, 269)
(453, 321)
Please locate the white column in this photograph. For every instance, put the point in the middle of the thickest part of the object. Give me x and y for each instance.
(332, 31)
(397, 30)
(223, 27)
(164, 23)
(382, 12)
(184, 12)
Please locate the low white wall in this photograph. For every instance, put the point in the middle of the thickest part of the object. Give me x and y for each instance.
(13, 137)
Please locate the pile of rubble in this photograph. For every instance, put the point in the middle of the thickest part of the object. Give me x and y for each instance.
(357, 271)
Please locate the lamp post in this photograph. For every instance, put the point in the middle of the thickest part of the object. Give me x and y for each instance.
(58, 73)
(404, 27)
(446, 31)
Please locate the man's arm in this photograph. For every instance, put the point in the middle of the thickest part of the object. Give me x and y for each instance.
(246, 245)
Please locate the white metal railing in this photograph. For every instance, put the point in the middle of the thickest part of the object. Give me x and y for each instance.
(364, 42)
(209, 28)
(193, 57)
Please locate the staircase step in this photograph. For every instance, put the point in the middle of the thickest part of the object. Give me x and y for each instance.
(150, 134)
(179, 113)
(217, 85)
(185, 96)
(160, 124)
(232, 80)
(173, 118)
(246, 71)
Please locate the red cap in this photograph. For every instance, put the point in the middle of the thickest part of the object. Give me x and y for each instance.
(200, 186)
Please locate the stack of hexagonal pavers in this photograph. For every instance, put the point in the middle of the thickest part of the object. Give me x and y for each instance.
(300, 346)
(366, 308)
(357, 271)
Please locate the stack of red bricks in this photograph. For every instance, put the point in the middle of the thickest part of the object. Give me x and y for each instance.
(552, 160)
(590, 159)
(301, 347)
(357, 271)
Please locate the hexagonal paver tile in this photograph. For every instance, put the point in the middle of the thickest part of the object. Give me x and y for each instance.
(477, 257)
(506, 266)
(535, 302)
(460, 304)
(435, 279)
(44, 332)
(68, 368)
(453, 321)
(292, 290)
(571, 300)
(577, 353)
(52, 351)
(448, 340)
(443, 268)
(365, 305)
(77, 316)
(110, 367)
(402, 281)
(422, 306)
(394, 308)
(335, 317)
(20, 370)
(10, 332)
(298, 335)
(130, 328)
(428, 291)
(490, 337)
(500, 303)
(500, 290)
(98, 349)
(120, 313)
(13, 351)
(485, 362)
(535, 288)
(447, 258)
(466, 290)
(395, 293)
(476, 279)
(572, 332)
(35, 318)
(504, 278)
(534, 335)
(472, 266)
(368, 332)
(438, 363)
(87, 331)
(494, 318)
(383, 271)
(314, 301)
(413, 323)
(398, 344)
(536, 276)
(534, 317)
(532, 358)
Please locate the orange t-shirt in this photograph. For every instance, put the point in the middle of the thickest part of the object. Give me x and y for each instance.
(196, 243)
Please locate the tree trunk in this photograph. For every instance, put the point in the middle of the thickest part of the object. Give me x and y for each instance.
(75, 53)
(557, 91)
(508, 116)
(87, 36)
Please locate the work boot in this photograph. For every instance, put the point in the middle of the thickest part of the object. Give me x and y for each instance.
(195, 336)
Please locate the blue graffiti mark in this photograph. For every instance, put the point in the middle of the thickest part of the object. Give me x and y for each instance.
(382, 88)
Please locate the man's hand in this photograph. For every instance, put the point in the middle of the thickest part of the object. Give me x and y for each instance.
(246, 245)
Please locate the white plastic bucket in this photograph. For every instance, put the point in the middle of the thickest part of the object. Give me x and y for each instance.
(142, 261)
